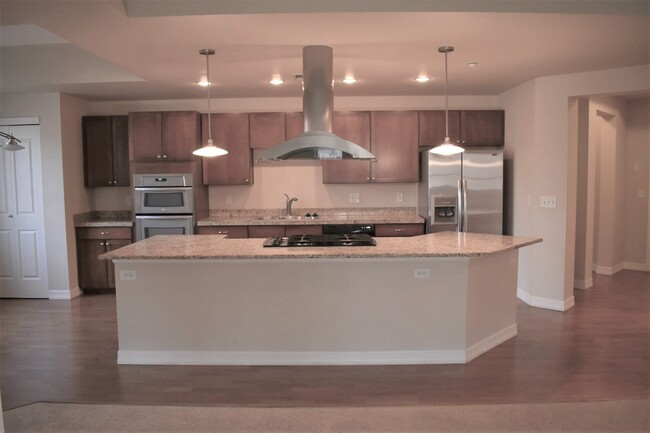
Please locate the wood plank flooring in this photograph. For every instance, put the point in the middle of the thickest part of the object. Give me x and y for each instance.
(65, 351)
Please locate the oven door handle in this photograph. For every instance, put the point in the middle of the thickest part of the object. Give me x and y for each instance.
(163, 217)
(167, 189)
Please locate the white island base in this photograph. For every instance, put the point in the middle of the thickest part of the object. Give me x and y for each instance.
(305, 311)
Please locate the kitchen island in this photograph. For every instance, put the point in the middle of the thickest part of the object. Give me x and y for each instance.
(438, 298)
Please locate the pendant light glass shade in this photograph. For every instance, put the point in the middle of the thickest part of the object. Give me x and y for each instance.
(209, 150)
(446, 148)
(12, 145)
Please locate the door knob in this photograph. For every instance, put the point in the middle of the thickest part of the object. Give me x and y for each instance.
(11, 216)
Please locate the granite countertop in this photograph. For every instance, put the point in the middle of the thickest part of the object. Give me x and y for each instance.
(120, 218)
(267, 217)
(444, 244)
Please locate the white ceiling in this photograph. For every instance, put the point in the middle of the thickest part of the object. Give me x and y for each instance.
(96, 50)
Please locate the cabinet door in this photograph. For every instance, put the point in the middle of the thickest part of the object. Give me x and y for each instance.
(181, 135)
(121, 172)
(230, 231)
(482, 128)
(354, 127)
(394, 141)
(303, 230)
(386, 230)
(265, 231)
(293, 124)
(230, 132)
(113, 244)
(97, 134)
(432, 128)
(145, 136)
(266, 129)
(93, 273)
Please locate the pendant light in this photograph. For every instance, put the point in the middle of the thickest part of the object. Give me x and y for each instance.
(209, 150)
(446, 148)
(12, 145)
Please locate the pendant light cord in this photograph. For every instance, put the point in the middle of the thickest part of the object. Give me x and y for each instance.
(446, 99)
(207, 62)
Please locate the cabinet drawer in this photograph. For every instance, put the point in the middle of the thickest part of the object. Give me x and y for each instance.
(265, 231)
(104, 233)
(303, 230)
(385, 230)
(231, 231)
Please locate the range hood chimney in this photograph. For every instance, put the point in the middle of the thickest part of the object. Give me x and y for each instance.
(318, 141)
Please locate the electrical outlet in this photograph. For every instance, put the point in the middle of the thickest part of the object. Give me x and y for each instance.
(549, 201)
(641, 193)
(354, 197)
(127, 275)
(635, 166)
(399, 197)
(228, 199)
(421, 273)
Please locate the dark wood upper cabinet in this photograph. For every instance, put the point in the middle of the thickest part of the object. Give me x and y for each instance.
(432, 127)
(231, 132)
(394, 141)
(483, 128)
(164, 136)
(181, 134)
(469, 128)
(266, 130)
(353, 126)
(105, 151)
(294, 124)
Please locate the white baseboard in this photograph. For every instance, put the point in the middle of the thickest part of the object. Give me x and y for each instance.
(547, 303)
(192, 357)
(56, 295)
(490, 342)
(633, 266)
(609, 270)
(583, 284)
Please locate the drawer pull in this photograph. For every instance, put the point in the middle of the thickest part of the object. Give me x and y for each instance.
(105, 233)
(399, 230)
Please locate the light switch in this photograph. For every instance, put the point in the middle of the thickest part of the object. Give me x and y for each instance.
(549, 201)
(641, 193)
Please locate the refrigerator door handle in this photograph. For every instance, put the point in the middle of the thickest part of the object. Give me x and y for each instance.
(465, 205)
(459, 207)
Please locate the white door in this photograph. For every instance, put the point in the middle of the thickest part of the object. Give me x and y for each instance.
(23, 270)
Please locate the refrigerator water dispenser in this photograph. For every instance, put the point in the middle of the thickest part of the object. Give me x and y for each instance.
(444, 210)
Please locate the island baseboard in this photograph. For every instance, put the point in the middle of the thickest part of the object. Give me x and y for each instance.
(193, 357)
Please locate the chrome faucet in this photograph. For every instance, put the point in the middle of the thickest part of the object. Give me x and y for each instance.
(290, 200)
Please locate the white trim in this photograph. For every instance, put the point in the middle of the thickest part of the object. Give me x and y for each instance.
(547, 303)
(57, 295)
(178, 357)
(609, 270)
(490, 342)
(196, 357)
(583, 284)
(634, 266)
(19, 121)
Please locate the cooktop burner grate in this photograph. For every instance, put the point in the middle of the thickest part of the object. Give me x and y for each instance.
(328, 240)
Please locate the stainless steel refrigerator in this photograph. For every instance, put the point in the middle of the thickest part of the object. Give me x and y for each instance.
(462, 192)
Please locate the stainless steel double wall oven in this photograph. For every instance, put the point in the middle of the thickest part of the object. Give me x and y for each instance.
(163, 204)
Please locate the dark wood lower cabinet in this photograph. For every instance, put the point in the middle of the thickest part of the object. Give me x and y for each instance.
(387, 230)
(95, 274)
(265, 231)
(230, 231)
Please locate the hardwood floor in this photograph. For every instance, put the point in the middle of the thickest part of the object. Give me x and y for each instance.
(59, 351)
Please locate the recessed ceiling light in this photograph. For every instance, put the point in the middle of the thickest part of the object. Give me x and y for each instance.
(204, 83)
(472, 64)
(349, 79)
(422, 79)
(276, 80)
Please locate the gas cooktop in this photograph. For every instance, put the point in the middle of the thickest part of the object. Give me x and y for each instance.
(330, 240)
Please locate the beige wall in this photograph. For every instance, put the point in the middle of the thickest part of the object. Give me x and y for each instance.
(637, 114)
(537, 138)
(301, 179)
(78, 199)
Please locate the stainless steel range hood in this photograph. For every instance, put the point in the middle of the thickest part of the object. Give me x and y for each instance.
(318, 141)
